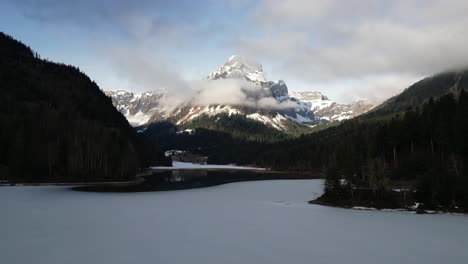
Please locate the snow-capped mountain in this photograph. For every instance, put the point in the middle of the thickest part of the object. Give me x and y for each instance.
(238, 67)
(138, 108)
(328, 110)
(269, 102)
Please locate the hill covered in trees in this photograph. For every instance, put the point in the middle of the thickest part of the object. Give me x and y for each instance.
(420, 92)
(423, 150)
(224, 138)
(57, 125)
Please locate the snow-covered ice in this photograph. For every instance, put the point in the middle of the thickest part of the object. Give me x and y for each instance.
(248, 222)
(178, 165)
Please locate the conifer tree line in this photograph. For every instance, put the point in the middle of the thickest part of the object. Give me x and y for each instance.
(425, 149)
(57, 125)
(223, 143)
(224, 138)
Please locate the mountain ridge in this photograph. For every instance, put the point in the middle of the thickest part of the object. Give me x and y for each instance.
(434, 86)
(283, 106)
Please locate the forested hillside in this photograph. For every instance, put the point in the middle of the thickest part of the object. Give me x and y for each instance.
(238, 126)
(57, 125)
(224, 139)
(425, 149)
(420, 92)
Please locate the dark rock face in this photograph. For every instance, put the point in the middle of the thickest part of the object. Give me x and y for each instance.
(279, 90)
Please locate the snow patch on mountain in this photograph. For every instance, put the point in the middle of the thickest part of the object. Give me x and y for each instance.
(268, 102)
(208, 110)
(137, 108)
(276, 122)
(138, 119)
(328, 110)
(238, 67)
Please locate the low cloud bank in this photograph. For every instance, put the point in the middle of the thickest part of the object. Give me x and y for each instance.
(225, 92)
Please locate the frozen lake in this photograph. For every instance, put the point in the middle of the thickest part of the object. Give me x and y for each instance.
(247, 222)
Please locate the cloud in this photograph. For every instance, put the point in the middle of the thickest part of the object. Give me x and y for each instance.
(287, 14)
(376, 88)
(83, 13)
(139, 39)
(120, 20)
(235, 92)
(144, 70)
(320, 40)
(312, 42)
(323, 41)
(149, 71)
(224, 91)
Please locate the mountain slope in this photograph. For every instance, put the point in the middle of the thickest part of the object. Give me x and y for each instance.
(230, 140)
(328, 110)
(444, 89)
(418, 156)
(264, 101)
(238, 67)
(420, 92)
(57, 125)
(268, 102)
(413, 153)
(138, 108)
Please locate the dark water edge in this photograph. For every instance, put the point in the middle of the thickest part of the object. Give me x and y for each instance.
(385, 201)
(191, 179)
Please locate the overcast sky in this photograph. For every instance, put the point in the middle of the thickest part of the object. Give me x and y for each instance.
(347, 49)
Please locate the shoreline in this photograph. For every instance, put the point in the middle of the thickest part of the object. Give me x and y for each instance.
(178, 165)
(193, 179)
(369, 207)
(140, 177)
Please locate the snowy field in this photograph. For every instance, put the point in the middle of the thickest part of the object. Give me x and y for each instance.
(248, 222)
(177, 165)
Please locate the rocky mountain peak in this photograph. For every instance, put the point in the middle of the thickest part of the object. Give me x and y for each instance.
(271, 102)
(239, 67)
(279, 90)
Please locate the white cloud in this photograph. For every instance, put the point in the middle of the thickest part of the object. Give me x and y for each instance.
(337, 44)
(144, 70)
(338, 41)
(234, 92)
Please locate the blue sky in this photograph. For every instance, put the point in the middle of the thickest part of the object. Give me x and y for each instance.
(346, 49)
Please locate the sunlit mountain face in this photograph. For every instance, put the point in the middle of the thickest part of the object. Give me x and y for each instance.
(268, 102)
